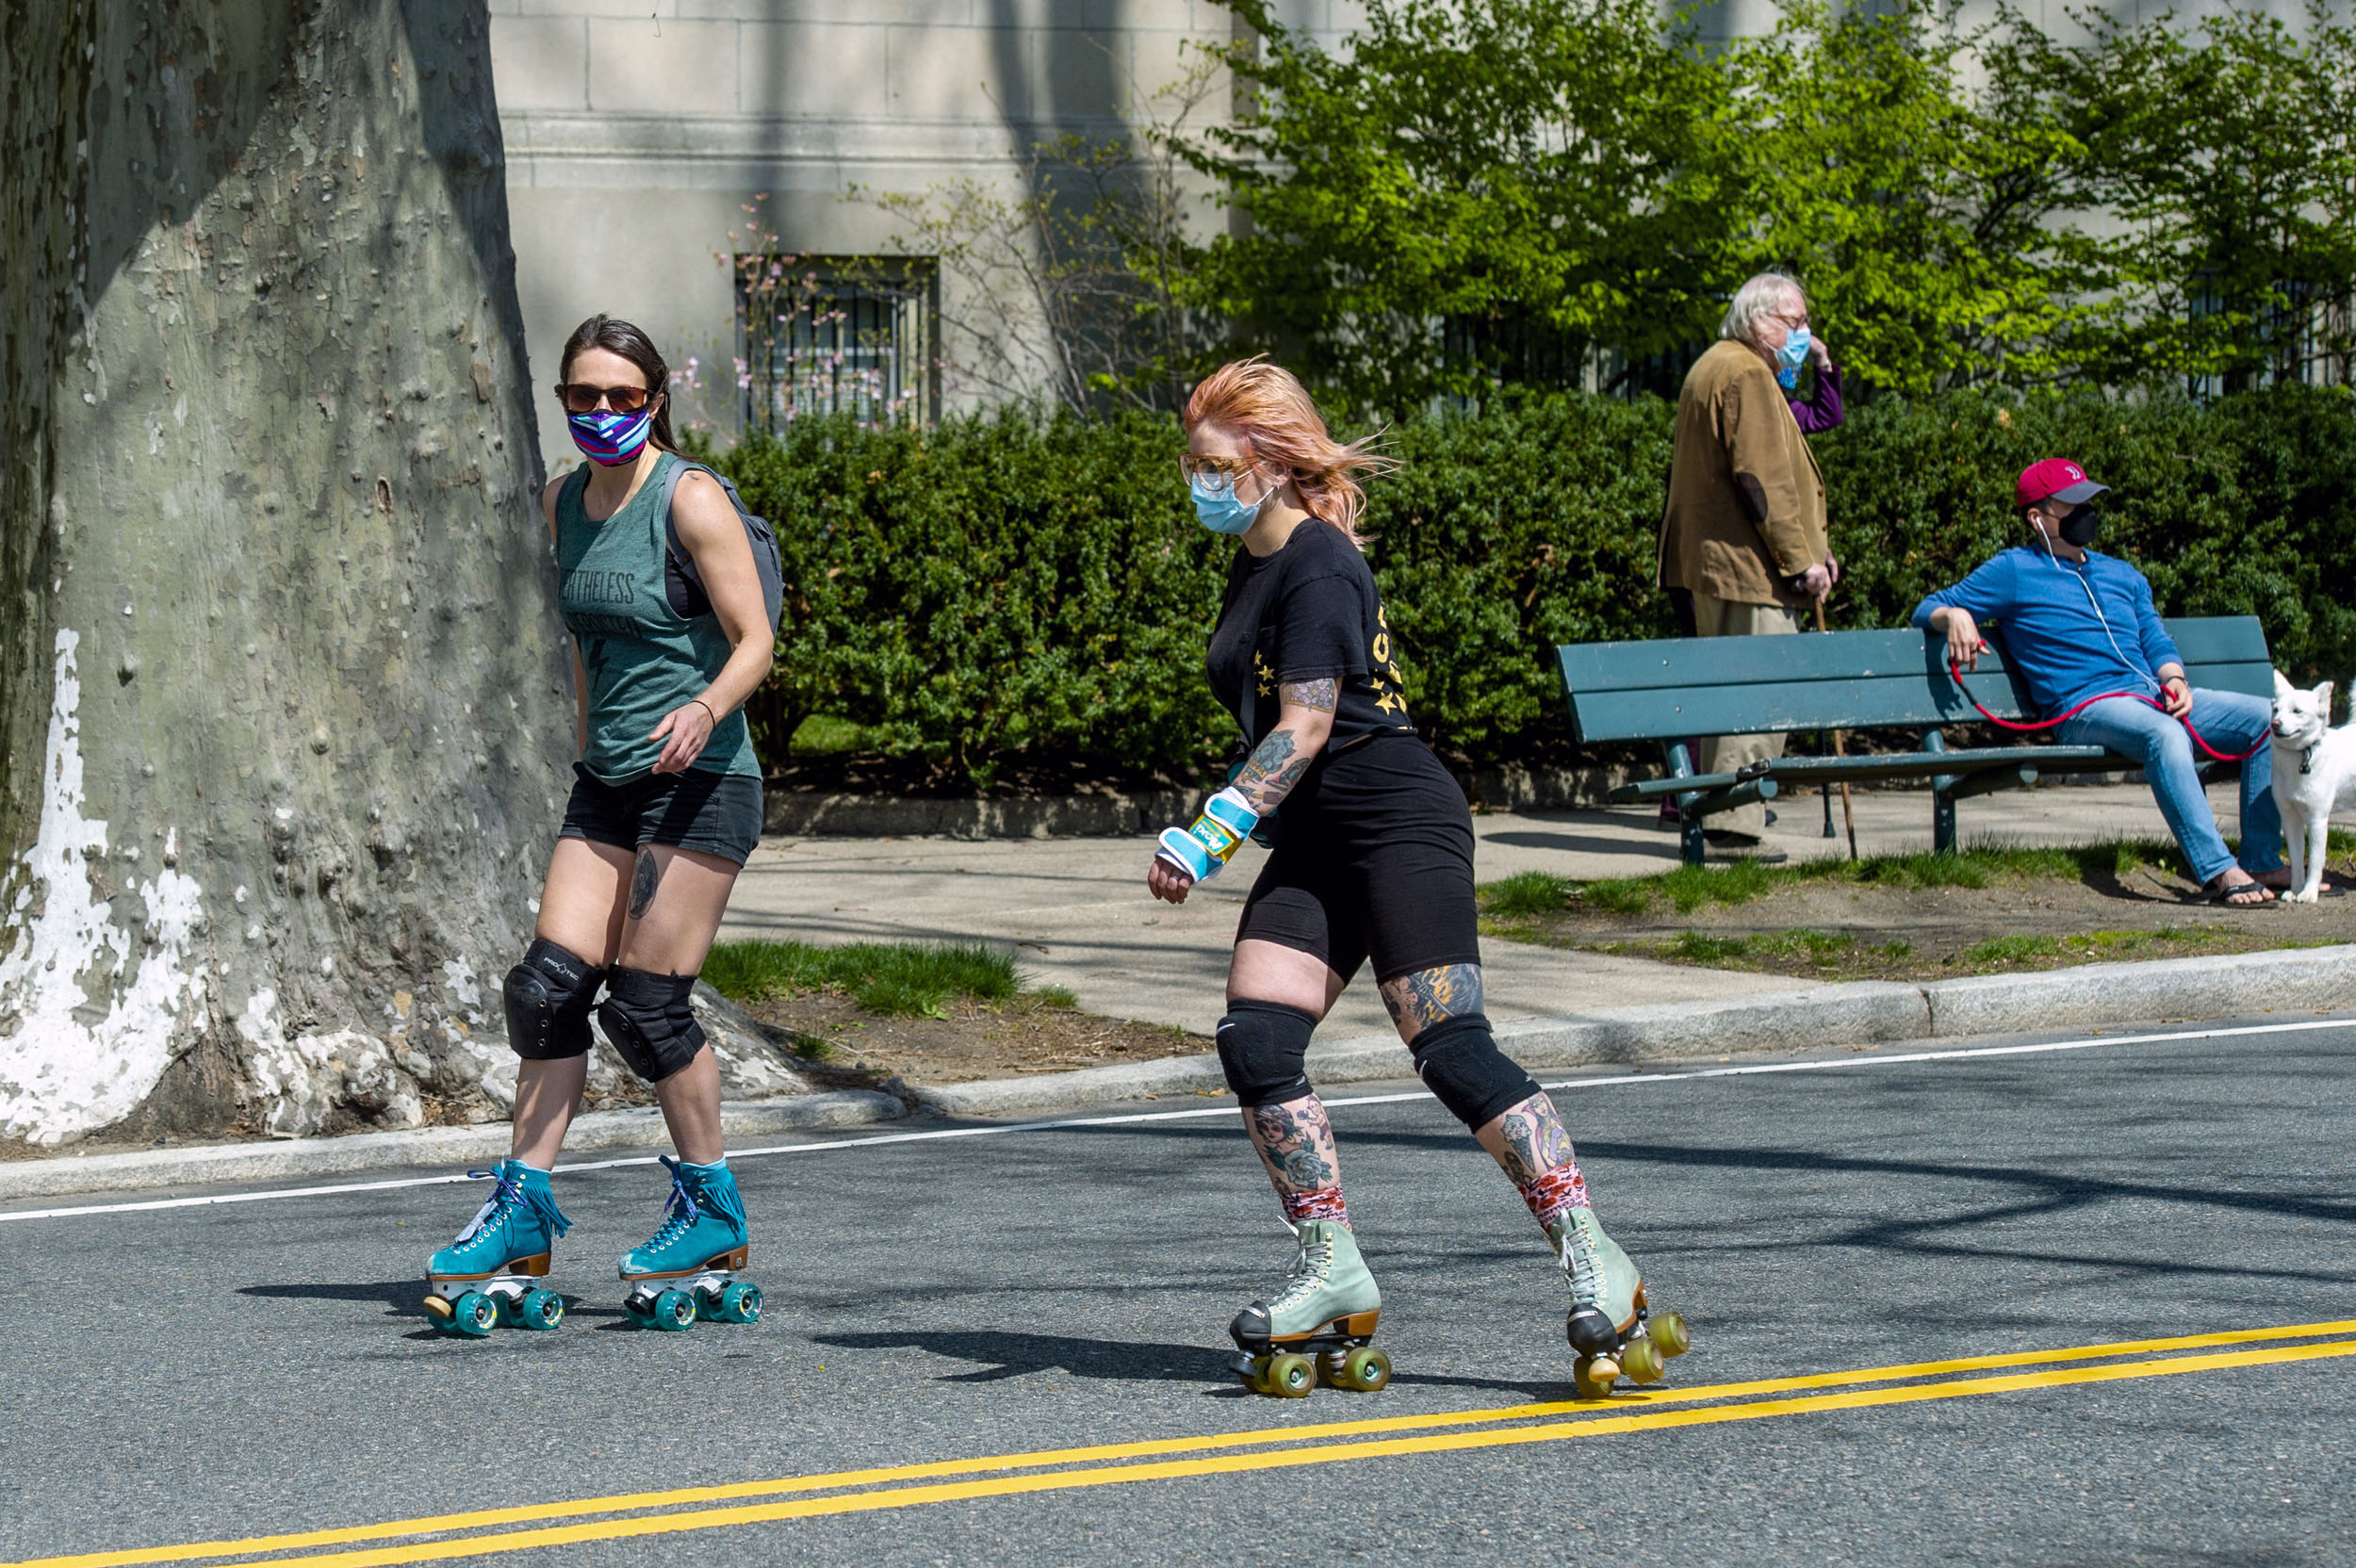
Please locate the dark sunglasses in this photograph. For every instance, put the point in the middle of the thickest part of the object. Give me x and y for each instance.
(581, 398)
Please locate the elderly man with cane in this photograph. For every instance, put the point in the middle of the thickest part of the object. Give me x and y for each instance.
(1744, 532)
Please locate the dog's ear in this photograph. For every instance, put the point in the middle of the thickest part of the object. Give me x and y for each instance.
(2323, 702)
(2282, 686)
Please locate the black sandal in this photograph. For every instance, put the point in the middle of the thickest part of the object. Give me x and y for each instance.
(2219, 893)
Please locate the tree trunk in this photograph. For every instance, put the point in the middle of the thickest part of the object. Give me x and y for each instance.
(281, 693)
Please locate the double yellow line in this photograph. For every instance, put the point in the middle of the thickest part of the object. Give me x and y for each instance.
(1271, 1449)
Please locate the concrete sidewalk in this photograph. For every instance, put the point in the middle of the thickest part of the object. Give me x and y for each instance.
(1076, 912)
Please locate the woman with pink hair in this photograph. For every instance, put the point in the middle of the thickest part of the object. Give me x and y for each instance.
(1373, 858)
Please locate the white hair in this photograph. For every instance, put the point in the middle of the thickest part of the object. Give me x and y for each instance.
(1761, 296)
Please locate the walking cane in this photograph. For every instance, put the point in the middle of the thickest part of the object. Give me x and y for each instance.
(1848, 813)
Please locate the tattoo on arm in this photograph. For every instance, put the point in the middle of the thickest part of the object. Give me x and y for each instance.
(1420, 999)
(641, 881)
(1296, 1143)
(1277, 764)
(1323, 695)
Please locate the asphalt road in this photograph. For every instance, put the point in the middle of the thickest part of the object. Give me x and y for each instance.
(213, 1374)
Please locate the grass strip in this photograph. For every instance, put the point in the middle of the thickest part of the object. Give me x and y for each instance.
(1535, 894)
(897, 979)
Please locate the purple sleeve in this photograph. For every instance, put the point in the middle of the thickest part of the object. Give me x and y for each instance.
(1822, 412)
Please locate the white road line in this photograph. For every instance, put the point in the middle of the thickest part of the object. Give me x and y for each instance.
(1001, 1130)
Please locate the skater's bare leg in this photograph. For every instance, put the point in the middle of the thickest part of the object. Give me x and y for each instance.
(581, 910)
(677, 897)
(1281, 992)
(1530, 1146)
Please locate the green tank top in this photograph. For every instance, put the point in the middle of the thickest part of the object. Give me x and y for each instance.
(644, 659)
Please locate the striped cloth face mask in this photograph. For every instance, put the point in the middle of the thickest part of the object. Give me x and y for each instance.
(610, 438)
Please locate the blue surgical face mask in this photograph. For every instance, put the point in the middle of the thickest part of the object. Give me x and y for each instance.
(1219, 510)
(1790, 358)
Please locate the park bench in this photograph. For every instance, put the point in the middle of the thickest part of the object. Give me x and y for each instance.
(1674, 690)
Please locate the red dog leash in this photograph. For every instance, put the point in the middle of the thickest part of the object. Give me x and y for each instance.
(1957, 671)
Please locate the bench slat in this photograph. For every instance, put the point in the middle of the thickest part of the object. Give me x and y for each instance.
(1667, 688)
(1905, 764)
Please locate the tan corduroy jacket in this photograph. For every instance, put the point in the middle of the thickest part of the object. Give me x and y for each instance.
(1734, 425)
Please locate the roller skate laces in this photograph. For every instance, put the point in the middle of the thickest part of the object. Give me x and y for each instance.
(484, 1277)
(687, 1270)
(1611, 1328)
(1319, 1324)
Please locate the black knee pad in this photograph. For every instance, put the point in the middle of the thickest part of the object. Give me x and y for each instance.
(1261, 1046)
(1458, 1061)
(649, 1020)
(548, 997)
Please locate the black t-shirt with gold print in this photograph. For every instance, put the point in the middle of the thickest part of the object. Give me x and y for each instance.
(1308, 611)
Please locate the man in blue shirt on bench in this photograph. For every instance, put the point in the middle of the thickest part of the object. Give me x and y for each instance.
(2080, 629)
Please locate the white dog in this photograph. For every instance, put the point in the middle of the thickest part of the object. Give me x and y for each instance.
(2314, 775)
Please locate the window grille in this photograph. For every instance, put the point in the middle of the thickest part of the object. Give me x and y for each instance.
(828, 334)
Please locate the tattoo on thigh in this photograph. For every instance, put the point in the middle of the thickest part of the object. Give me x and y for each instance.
(1295, 1141)
(1428, 995)
(642, 880)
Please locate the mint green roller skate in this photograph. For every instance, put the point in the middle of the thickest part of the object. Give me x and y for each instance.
(688, 1269)
(1611, 1325)
(1327, 1310)
(485, 1277)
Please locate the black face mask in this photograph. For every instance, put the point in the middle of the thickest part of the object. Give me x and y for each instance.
(2081, 528)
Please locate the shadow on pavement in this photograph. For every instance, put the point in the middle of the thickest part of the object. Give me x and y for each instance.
(1015, 1355)
(405, 1296)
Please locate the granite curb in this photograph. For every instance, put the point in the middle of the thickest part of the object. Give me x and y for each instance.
(1868, 1012)
(198, 1165)
(1855, 1013)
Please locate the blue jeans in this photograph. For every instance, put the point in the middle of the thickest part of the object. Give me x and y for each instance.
(2228, 721)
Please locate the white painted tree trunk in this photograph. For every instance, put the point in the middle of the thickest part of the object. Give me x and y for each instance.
(285, 716)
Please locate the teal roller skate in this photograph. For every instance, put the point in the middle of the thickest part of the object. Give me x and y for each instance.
(688, 1269)
(1611, 1326)
(485, 1277)
(1326, 1311)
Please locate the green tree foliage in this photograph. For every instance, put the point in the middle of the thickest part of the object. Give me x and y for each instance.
(1517, 169)
(2228, 156)
(1014, 590)
(1478, 193)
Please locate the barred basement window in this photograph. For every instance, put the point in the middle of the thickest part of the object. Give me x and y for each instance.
(837, 335)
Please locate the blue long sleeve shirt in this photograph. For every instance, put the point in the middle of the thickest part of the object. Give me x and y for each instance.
(2066, 648)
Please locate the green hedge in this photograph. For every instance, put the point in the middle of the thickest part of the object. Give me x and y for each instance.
(1002, 591)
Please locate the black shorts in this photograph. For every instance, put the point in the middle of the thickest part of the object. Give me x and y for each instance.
(713, 813)
(1373, 859)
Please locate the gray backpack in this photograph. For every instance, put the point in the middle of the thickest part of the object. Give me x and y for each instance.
(758, 534)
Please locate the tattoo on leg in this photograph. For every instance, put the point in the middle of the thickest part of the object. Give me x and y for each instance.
(1296, 1143)
(642, 880)
(1420, 999)
(1535, 1140)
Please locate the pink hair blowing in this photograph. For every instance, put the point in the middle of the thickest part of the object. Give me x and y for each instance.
(1265, 407)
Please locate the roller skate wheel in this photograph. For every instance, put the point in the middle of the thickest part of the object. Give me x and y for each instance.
(473, 1314)
(1588, 1379)
(708, 1301)
(1290, 1377)
(1365, 1370)
(510, 1308)
(673, 1309)
(741, 1302)
(1255, 1374)
(639, 1309)
(1669, 1333)
(540, 1309)
(1330, 1371)
(1641, 1362)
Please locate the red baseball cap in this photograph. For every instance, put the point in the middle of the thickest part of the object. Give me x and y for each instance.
(2054, 479)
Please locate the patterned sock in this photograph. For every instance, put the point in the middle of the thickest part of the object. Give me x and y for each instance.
(1550, 1192)
(1324, 1204)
